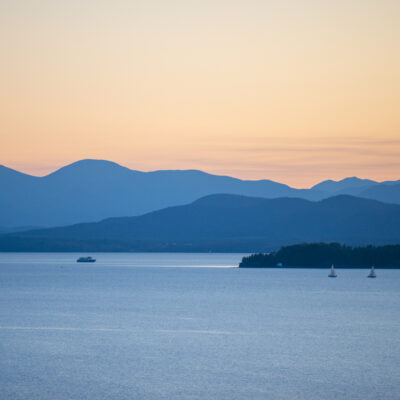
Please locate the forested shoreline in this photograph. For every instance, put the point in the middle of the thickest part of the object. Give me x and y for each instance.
(322, 255)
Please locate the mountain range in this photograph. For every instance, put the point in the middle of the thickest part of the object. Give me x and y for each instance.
(225, 223)
(92, 190)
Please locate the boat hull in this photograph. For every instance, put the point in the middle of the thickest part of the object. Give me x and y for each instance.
(86, 259)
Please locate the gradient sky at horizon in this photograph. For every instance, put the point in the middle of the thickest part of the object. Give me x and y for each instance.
(293, 90)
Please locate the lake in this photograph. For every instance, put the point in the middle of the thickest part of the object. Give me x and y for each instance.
(191, 326)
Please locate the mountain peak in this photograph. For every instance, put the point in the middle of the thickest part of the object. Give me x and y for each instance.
(90, 163)
(353, 183)
(90, 167)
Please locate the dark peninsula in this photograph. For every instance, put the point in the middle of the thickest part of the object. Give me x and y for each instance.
(323, 255)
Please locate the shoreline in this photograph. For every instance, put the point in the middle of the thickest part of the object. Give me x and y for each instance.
(327, 268)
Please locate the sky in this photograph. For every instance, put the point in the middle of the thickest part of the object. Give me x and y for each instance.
(296, 91)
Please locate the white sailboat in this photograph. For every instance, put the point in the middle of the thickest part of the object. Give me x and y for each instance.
(372, 273)
(332, 274)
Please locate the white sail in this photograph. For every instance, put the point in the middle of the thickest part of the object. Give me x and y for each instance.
(332, 274)
(372, 273)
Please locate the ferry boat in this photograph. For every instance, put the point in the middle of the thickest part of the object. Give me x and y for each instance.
(86, 259)
(372, 273)
(332, 274)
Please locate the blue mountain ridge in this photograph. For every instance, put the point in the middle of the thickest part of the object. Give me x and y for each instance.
(225, 222)
(92, 190)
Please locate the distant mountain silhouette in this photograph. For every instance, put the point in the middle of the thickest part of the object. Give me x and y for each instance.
(226, 223)
(352, 185)
(386, 192)
(92, 190)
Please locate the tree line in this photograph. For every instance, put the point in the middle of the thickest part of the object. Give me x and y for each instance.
(319, 255)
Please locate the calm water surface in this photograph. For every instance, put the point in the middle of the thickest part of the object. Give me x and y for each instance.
(163, 326)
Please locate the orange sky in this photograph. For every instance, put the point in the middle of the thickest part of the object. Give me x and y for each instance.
(293, 90)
